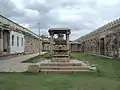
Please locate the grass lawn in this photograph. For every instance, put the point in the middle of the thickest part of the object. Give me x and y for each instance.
(107, 78)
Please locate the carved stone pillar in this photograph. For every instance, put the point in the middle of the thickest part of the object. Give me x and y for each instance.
(111, 45)
(114, 45)
(1, 41)
(67, 39)
(107, 45)
(118, 47)
(51, 43)
(99, 47)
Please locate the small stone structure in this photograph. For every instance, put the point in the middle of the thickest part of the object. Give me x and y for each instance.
(60, 52)
(45, 43)
(60, 46)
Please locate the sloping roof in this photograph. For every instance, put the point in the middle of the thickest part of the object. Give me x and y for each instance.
(26, 29)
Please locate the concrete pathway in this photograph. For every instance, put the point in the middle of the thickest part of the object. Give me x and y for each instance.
(15, 65)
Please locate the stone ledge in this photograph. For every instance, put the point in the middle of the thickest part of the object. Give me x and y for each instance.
(64, 71)
(65, 68)
(33, 68)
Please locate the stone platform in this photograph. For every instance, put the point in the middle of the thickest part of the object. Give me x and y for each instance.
(73, 66)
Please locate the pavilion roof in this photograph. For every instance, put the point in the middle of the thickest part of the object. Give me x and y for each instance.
(59, 30)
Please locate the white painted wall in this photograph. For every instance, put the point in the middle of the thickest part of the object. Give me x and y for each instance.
(15, 48)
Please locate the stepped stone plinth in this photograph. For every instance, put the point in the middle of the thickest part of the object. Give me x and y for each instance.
(60, 52)
(72, 66)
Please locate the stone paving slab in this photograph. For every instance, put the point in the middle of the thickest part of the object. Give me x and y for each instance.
(15, 65)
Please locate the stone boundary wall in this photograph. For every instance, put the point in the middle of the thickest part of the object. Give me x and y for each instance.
(103, 41)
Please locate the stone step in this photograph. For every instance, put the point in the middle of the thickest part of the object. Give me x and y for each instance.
(60, 64)
(60, 49)
(60, 55)
(65, 67)
(63, 71)
(60, 60)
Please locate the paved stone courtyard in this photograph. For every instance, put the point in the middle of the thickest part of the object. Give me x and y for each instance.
(15, 65)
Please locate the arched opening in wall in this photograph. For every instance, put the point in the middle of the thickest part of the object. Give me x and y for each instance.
(102, 48)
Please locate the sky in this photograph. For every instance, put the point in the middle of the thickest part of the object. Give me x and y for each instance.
(81, 16)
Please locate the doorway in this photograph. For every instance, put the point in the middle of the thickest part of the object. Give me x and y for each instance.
(6, 41)
(102, 48)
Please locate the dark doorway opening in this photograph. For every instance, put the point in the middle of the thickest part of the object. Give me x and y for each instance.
(6, 41)
(102, 48)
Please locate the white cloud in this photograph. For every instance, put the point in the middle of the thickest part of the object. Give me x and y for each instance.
(82, 16)
(18, 3)
(108, 2)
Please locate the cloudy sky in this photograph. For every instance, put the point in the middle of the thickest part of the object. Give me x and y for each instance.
(81, 16)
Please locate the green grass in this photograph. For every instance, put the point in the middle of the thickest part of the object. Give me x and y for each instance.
(37, 58)
(107, 78)
(106, 67)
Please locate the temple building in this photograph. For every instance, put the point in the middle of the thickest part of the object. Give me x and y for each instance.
(15, 38)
